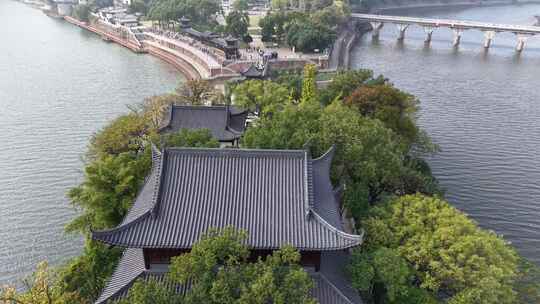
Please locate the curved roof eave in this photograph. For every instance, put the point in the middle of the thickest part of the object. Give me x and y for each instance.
(353, 239)
(106, 235)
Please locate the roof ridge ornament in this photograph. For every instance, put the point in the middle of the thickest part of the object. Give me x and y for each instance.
(156, 197)
(307, 147)
(167, 119)
(156, 153)
(329, 154)
(308, 175)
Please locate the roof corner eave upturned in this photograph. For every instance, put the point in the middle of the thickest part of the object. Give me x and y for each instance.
(166, 123)
(129, 268)
(345, 240)
(156, 197)
(328, 156)
(119, 236)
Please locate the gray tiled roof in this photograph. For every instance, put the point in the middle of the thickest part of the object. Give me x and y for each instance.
(326, 292)
(252, 72)
(279, 196)
(225, 123)
(334, 268)
(325, 203)
(147, 195)
(131, 268)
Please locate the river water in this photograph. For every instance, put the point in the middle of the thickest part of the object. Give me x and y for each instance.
(58, 85)
(482, 108)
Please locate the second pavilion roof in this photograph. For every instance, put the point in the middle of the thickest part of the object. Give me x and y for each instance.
(279, 196)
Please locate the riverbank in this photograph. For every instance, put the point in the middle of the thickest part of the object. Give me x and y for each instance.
(106, 36)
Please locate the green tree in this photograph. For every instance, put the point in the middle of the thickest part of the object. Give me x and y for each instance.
(219, 272)
(285, 129)
(395, 108)
(124, 134)
(451, 255)
(309, 85)
(154, 109)
(292, 81)
(527, 284)
(291, 124)
(267, 29)
(237, 23)
(345, 82)
(329, 15)
(108, 190)
(201, 138)
(240, 5)
(383, 266)
(280, 5)
(201, 12)
(273, 26)
(196, 92)
(87, 274)
(367, 153)
(307, 36)
(258, 95)
(41, 288)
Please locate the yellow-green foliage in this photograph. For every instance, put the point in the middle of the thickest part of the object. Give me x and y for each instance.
(41, 290)
(124, 134)
(449, 252)
(265, 96)
(309, 86)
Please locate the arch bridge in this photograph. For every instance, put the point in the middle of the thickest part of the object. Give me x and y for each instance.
(522, 32)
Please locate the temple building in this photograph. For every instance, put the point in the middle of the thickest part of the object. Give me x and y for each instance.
(228, 45)
(279, 197)
(226, 123)
(252, 72)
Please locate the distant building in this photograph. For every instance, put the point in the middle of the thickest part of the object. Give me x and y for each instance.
(65, 7)
(279, 196)
(120, 3)
(226, 123)
(118, 16)
(229, 44)
(253, 72)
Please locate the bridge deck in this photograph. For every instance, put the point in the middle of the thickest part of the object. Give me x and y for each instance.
(458, 24)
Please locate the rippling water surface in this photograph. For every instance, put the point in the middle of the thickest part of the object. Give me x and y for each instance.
(58, 85)
(482, 108)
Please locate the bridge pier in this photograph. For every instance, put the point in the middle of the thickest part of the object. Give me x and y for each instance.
(488, 38)
(523, 32)
(429, 33)
(402, 28)
(377, 26)
(457, 36)
(521, 42)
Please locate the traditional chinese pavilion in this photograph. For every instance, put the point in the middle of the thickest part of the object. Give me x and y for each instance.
(278, 196)
(226, 123)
